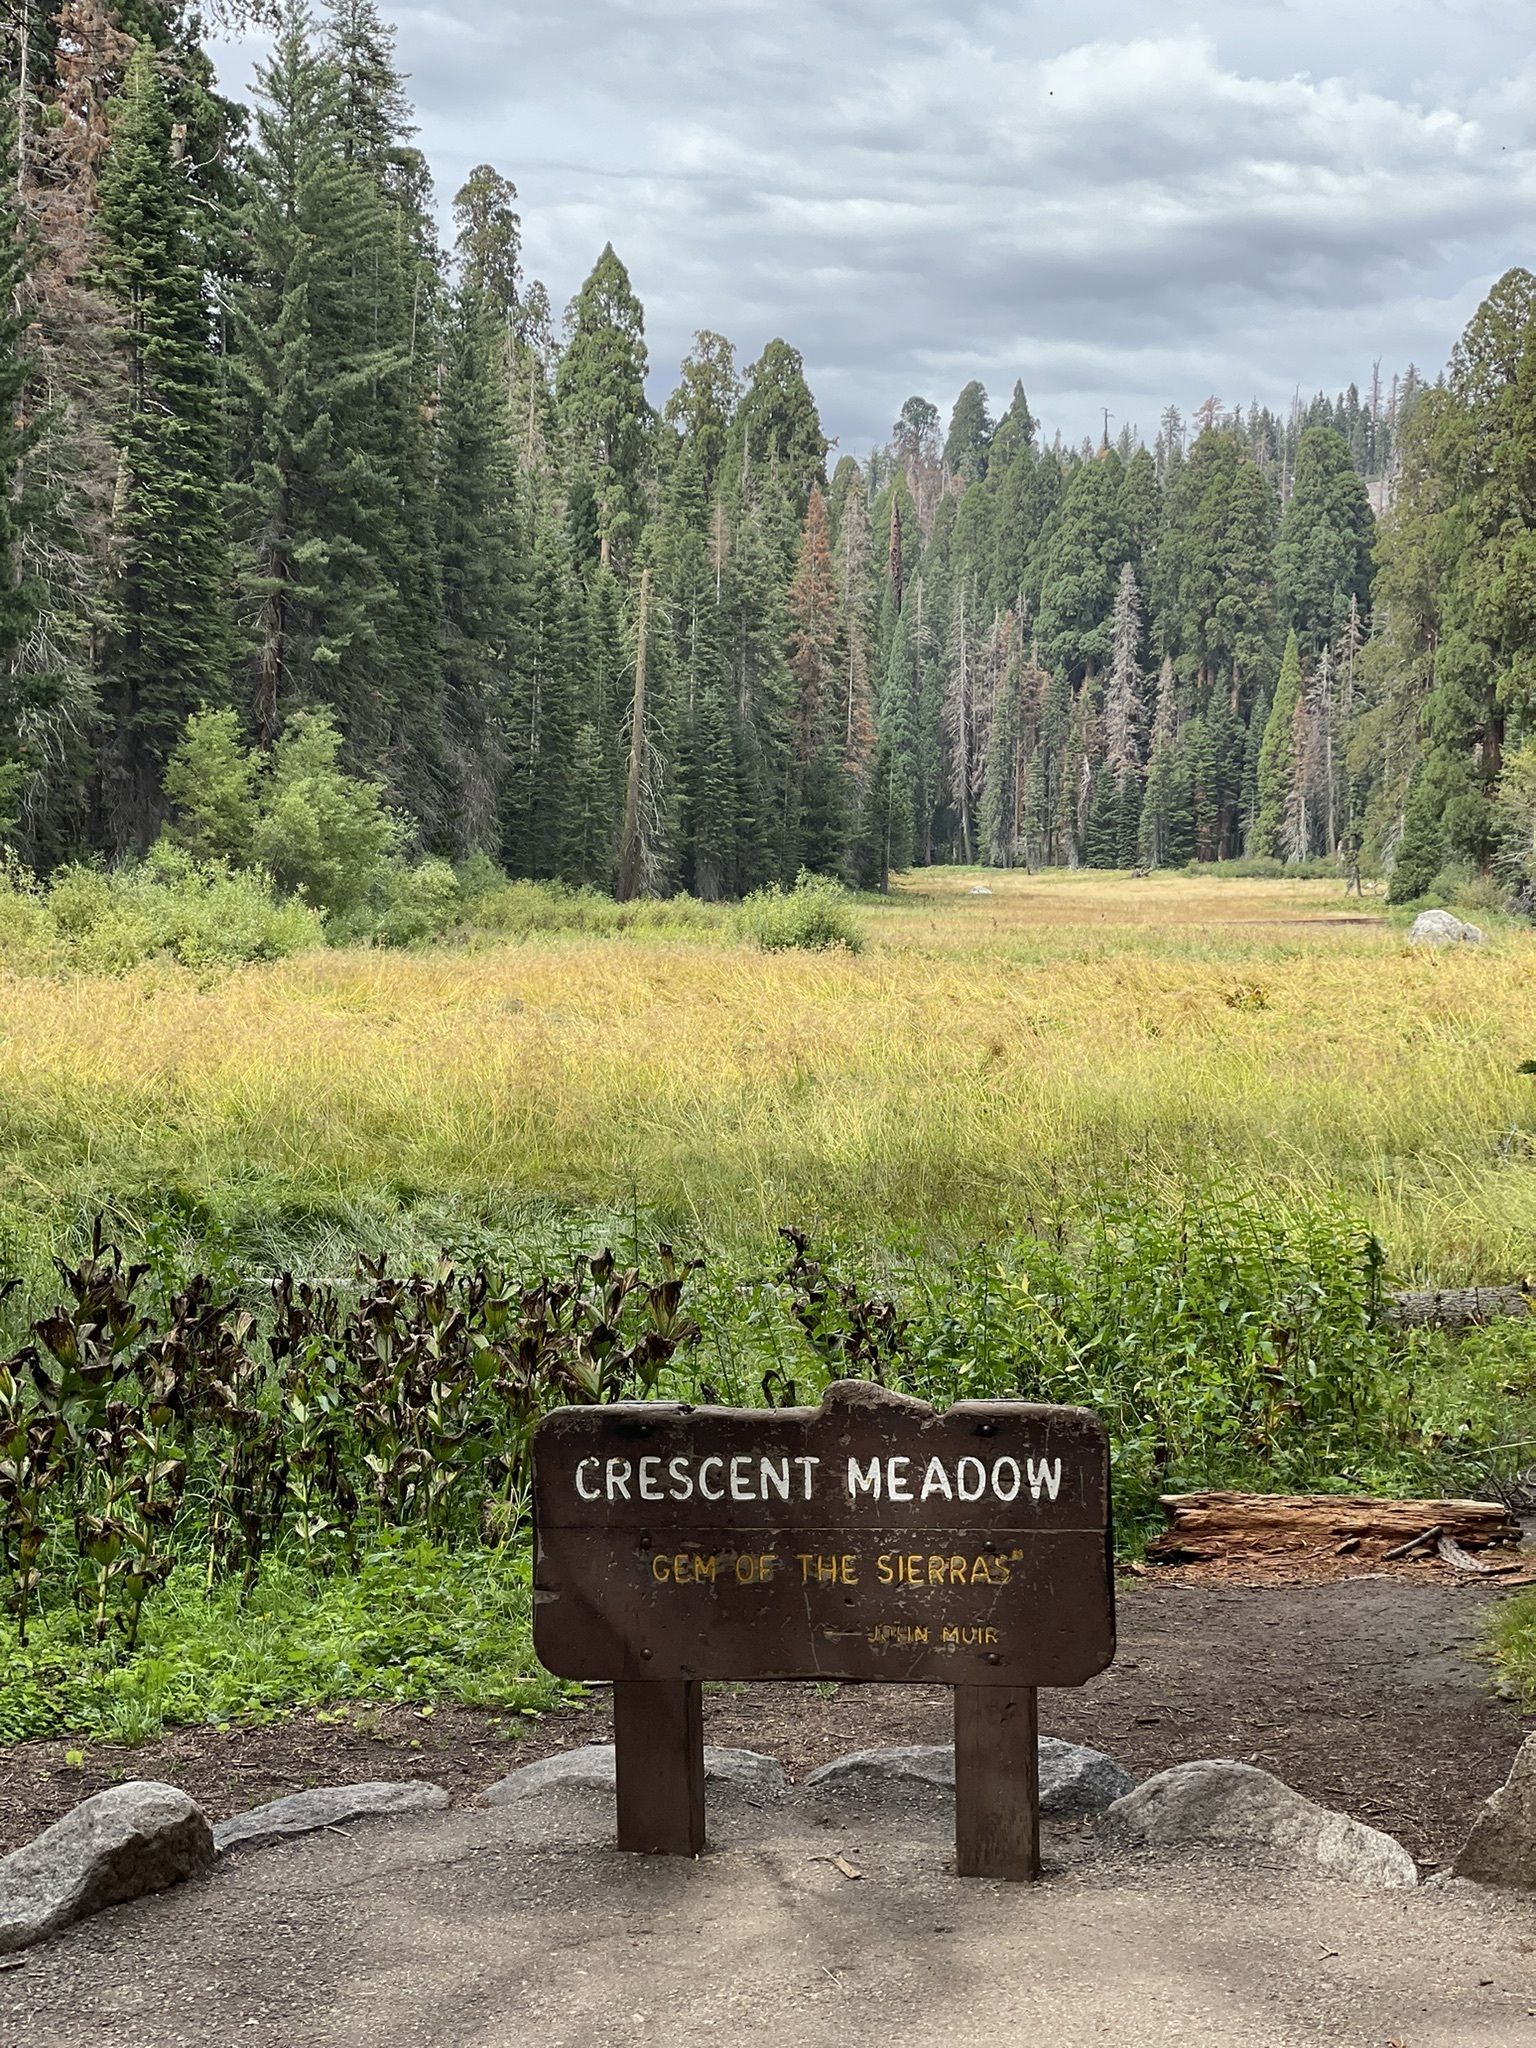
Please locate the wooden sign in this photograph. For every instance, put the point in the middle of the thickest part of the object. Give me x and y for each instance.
(871, 1538)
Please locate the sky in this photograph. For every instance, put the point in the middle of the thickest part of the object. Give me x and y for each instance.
(1122, 205)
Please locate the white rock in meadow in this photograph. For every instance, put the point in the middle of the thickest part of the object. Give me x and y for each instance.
(1439, 928)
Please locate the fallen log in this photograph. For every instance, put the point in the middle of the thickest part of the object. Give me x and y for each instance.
(1211, 1525)
(1456, 1308)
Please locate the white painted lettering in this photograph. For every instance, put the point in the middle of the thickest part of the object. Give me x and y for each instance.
(936, 1480)
(863, 1482)
(775, 1476)
(650, 1479)
(807, 1467)
(586, 1492)
(682, 1479)
(618, 1479)
(897, 1485)
(974, 1487)
(741, 1484)
(1014, 1479)
(707, 1493)
(1045, 1475)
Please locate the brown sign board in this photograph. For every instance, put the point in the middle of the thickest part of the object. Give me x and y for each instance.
(870, 1538)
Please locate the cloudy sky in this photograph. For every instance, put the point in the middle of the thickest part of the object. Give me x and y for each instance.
(1122, 204)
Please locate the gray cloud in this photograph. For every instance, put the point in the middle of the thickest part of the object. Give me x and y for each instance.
(1120, 203)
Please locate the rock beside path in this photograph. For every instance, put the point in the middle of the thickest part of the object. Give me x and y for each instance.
(1073, 1780)
(1501, 1848)
(121, 1844)
(928, 1766)
(591, 1768)
(1439, 928)
(327, 1806)
(1218, 1804)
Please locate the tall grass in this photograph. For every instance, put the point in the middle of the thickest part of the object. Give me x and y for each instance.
(987, 1063)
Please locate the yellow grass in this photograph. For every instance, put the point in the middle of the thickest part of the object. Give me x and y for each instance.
(987, 1061)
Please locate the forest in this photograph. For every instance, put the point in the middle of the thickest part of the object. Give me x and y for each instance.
(314, 531)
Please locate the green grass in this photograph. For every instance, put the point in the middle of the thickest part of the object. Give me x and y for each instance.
(414, 1627)
(1512, 1629)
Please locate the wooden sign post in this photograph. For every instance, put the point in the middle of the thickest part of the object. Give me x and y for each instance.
(870, 1538)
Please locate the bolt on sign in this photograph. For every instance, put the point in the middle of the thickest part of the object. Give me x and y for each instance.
(870, 1538)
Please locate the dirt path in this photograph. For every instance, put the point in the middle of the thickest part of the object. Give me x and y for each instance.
(1367, 1695)
(520, 1928)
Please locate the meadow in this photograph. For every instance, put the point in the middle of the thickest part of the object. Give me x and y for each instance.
(987, 1063)
(1159, 1145)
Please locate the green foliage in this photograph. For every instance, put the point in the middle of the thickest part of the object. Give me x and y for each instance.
(1225, 1344)
(1420, 852)
(105, 921)
(413, 1625)
(210, 783)
(1277, 756)
(1323, 559)
(601, 390)
(815, 916)
(320, 833)
(171, 637)
(139, 1434)
(294, 814)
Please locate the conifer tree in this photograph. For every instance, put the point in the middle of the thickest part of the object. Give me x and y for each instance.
(969, 445)
(1323, 556)
(171, 638)
(30, 683)
(704, 403)
(777, 431)
(1080, 570)
(1157, 838)
(482, 551)
(1277, 755)
(600, 387)
(817, 659)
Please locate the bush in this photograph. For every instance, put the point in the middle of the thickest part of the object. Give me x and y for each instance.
(506, 909)
(419, 904)
(816, 915)
(1460, 886)
(100, 921)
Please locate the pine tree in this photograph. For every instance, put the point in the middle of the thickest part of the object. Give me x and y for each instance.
(970, 436)
(1080, 569)
(704, 403)
(1323, 557)
(817, 658)
(336, 505)
(600, 387)
(963, 716)
(171, 641)
(1277, 756)
(1157, 839)
(777, 431)
(27, 687)
(481, 547)
(542, 718)
(856, 580)
(1123, 738)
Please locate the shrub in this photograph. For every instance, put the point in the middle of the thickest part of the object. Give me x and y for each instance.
(321, 833)
(816, 915)
(506, 909)
(101, 921)
(419, 903)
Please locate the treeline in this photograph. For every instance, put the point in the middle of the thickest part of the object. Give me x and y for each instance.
(266, 448)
